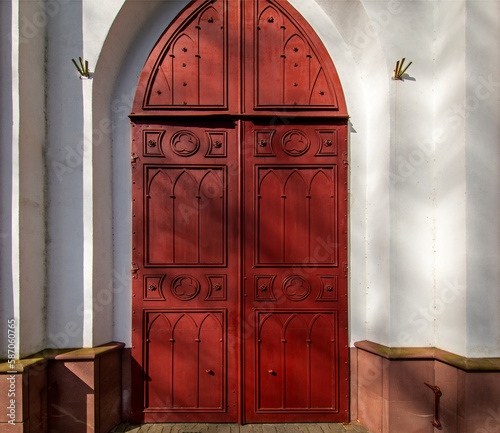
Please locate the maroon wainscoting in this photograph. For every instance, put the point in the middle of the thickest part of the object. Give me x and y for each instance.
(388, 391)
(65, 391)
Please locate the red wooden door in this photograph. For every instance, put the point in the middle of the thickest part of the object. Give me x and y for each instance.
(295, 281)
(239, 221)
(186, 285)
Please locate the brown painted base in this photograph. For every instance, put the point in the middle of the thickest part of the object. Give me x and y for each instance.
(76, 391)
(388, 391)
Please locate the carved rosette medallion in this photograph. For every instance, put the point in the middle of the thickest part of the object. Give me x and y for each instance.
(295, 143)
(296, 288)
(185, 287)
(184, 143)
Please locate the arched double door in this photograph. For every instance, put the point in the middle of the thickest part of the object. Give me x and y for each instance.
(239, 172)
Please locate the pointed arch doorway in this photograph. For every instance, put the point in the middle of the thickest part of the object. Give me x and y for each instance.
(239, 157)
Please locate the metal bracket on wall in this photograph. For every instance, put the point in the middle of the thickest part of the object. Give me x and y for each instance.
(82, 68)
(399, 71)
(437, 394)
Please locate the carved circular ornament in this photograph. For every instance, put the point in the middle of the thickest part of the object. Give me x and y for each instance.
(184, 143)
(296, 288)
(185, 287)
(295, 143)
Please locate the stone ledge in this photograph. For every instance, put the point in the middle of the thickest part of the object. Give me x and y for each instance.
(60, 355)
(430, 353)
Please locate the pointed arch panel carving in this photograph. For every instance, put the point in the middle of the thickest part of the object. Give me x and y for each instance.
(190, 58)
(292, 68)
(185, 215)
(308, 343)
(295, 214)
(185, 352)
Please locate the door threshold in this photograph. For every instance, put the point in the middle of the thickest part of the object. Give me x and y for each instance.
(354, 426)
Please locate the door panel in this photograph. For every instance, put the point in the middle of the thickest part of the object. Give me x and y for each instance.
(287, 67)
(185, 276)
(191, 57)
(294, 271)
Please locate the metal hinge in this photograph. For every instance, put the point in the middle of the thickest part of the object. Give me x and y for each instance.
(134, 270)
(345, 160)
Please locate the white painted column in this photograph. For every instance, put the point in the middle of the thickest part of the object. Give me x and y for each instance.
(97, 184)
(450, 197)
(64, 158)
(88, 216)
(411, 171)
(482, 166)
(28, 174)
